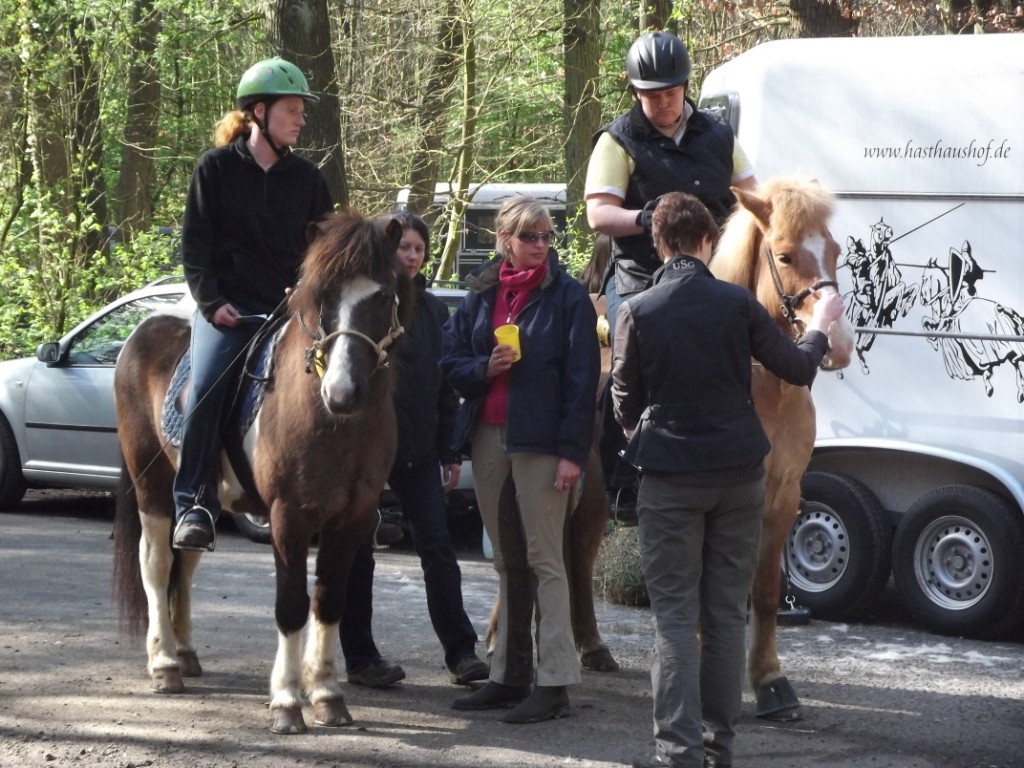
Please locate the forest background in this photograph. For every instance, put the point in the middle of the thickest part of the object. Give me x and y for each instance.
(105, 105)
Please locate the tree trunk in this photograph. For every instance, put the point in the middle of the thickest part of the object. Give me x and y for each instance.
(89, 185)
(441, 87)
(134, 185)
(302, 29)
(582, 51)
(823, 18)
(470, 109)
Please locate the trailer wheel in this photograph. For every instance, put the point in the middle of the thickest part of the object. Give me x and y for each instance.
(956, 562)
(839, 547)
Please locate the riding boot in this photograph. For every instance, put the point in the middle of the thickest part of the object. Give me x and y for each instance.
(545, 703)
(491, 696)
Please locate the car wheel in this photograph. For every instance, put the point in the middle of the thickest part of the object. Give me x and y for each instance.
(838, 551)
(956, 562)
(12, 481)
(253, 527)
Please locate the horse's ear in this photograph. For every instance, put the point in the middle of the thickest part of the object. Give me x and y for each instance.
(313, 230)
(393, 233)
(758, 206)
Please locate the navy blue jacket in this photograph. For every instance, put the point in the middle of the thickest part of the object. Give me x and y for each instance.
(552, 387)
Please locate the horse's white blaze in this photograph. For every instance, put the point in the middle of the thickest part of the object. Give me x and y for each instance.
(155, 556)
(286, 678)
(840, 331)
(338, 385)
(320, 662)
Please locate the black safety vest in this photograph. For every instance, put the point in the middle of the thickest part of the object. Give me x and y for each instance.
(701, 164)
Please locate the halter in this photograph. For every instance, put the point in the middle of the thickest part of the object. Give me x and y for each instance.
(316, 354)
(790, 303)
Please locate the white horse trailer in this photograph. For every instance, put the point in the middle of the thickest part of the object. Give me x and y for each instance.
(919, 459)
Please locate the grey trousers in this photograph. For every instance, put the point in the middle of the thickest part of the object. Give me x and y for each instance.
(527, 544)
(699, 548)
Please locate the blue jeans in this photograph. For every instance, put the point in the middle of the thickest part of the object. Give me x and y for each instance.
(213, 349)
(421, 494)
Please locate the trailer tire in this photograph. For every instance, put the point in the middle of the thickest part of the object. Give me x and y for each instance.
(839, 547)
(956, 562)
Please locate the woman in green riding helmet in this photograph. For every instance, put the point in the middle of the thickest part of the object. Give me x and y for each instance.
(243, 238)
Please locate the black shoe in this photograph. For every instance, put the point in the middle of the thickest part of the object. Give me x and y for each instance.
(378, 674)
(652, 760)
(492, 696)
(469, 670)
(195, 531)
(545, 703)
(655, 760)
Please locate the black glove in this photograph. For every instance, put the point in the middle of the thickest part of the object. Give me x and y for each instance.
(643, 218)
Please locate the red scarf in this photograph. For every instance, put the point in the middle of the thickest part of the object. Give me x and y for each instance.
(513, 292)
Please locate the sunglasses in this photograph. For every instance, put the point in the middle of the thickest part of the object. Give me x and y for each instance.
(533, 237)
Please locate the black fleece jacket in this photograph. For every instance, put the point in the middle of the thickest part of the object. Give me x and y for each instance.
(425, 404)
(244, 231)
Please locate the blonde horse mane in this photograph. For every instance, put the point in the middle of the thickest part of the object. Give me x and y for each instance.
(792, 206)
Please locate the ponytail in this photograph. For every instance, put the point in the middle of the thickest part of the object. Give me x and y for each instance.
(234, 124)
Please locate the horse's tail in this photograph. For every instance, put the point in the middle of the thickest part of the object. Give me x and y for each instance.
(131, 596)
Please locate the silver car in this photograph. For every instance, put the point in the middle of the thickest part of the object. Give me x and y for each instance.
(57, 421)
(58, 426)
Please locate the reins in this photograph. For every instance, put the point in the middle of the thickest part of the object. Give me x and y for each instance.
(316, 354)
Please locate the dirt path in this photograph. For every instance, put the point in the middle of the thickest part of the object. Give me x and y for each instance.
(73, 692)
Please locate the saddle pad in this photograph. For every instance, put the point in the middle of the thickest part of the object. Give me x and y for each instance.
(250, 388)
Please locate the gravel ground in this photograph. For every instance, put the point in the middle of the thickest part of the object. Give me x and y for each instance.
(73, 691)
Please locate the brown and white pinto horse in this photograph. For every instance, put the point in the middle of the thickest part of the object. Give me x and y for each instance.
(320, 449)
(778, 245)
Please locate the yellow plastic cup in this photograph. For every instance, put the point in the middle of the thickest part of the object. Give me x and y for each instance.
(509, 334)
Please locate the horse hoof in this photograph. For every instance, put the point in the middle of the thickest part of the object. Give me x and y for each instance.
(331, 713)
(288, 720)
(167, 680)
(188, 661)
(599, 660)
(777, 701)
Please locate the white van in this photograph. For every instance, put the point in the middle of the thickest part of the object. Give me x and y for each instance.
(919, 459)
(476, 242)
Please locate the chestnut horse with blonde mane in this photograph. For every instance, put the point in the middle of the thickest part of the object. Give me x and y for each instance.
(778, 245)
(320, 448)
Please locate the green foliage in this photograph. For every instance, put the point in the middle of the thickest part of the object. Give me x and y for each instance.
(65, 65)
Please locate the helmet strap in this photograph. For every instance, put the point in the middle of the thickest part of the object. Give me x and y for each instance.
(263, 126)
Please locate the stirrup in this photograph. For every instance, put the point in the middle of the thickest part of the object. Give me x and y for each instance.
(180, 540)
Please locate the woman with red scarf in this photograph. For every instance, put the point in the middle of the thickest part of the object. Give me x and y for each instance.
(528, 419)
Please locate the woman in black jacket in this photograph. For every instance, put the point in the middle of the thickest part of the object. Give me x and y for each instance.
(681, 384)
(426, 466)
(530, 419)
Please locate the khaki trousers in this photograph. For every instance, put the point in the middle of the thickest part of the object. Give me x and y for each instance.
(527, 539)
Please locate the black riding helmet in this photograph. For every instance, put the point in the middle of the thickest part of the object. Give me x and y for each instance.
(657, 60)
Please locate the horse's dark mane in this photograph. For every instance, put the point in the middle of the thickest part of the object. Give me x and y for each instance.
(344, 245)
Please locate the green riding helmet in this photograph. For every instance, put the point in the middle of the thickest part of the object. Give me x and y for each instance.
(272, 78)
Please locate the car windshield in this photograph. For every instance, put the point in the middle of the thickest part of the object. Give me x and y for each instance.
(101, 342)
